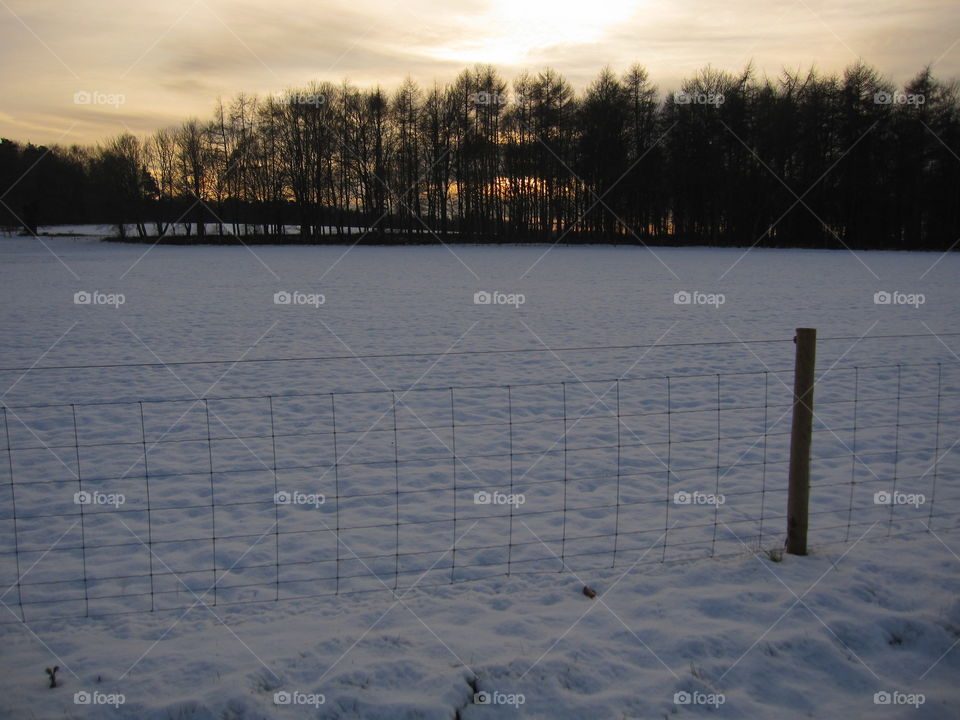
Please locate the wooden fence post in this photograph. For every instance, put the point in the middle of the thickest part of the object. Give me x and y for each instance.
(801, 435)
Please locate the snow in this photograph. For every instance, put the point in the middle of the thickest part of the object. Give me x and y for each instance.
(877, 608)
(873, 619)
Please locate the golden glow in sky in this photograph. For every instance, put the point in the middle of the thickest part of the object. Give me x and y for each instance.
(514, 28)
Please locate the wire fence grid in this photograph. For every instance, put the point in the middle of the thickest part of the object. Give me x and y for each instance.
(116, 507)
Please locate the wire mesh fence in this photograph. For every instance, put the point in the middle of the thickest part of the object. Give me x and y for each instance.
(114, 507)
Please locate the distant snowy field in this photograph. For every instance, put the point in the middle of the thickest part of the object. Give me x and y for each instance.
(881, 614)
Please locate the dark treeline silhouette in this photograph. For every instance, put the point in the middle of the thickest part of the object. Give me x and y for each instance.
(803, 160)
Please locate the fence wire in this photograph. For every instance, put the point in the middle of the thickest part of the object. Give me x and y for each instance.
(116, 507)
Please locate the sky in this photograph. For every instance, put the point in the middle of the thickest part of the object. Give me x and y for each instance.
(79, 71)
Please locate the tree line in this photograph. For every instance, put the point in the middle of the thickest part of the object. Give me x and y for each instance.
(804, 159)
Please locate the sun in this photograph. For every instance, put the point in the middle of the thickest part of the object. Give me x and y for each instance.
(512, 30)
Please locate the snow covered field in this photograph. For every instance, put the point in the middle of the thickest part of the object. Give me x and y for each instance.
(878, 608)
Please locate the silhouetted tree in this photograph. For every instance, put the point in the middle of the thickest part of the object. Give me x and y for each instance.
(805, 158)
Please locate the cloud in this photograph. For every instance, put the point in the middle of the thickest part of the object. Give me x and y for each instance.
(171, 60)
